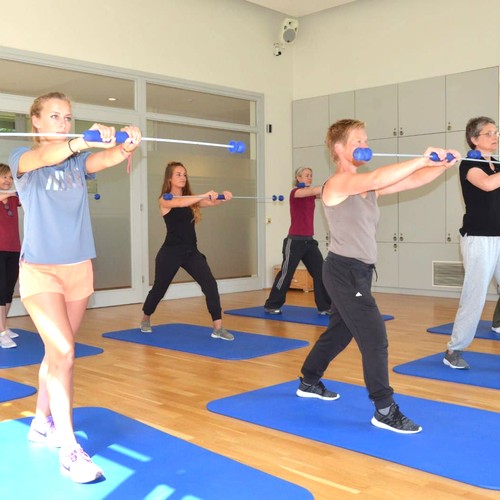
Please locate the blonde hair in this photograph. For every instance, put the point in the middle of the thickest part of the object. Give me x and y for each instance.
(39, 102)
(186, 190)
(298, 172)
(338, 132)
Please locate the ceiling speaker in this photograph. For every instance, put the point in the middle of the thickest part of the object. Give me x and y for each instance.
(288, 32)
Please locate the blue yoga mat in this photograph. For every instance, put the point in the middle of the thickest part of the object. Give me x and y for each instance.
(456, 442)
(483, 330)
(30, 350)
(291, 314)
(10, 390)
(139, 462)
(484, 372)
(197, 340)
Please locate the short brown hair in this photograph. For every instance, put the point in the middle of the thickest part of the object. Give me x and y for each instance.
(338, 132)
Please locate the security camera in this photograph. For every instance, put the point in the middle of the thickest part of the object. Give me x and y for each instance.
(278, 49)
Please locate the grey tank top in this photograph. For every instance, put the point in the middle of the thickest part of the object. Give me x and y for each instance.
(353, 226)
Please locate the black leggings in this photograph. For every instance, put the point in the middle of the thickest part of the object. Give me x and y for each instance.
(9, 272)
(168, 262)
(294, 251)
(355, 315)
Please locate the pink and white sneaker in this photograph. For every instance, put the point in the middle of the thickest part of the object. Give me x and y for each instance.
(76, 464)
(44, 433)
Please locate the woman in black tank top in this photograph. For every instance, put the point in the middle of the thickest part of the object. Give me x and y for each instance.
(181, 212)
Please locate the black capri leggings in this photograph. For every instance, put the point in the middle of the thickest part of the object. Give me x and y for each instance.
(9, 272)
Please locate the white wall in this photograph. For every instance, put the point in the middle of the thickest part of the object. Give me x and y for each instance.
(220, 42)
(369, 43)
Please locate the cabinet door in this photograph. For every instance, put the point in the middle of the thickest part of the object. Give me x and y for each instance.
(341, 106)
(455, 207)
(470, 94)
(422, 106)
(378, 108)
(316, 158)
(422, 210)
(387, 266)
(310, 121)
(387, 229)
(416, 264)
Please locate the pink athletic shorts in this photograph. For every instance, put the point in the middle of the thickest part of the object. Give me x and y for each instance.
(74, 281)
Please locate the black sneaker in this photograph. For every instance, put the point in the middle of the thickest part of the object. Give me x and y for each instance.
(271, 310)
(395, 421)
(318, 391)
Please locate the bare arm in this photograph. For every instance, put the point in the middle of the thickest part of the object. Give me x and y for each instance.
(55, 153)
(305, 192)
(482, 180)
(388, 179)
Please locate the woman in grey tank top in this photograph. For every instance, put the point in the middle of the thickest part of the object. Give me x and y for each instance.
(350, 202)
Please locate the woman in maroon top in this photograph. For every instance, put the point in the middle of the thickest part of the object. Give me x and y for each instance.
(300, 245)
(10, 246)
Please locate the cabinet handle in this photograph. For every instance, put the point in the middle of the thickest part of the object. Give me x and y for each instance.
(401, 237)
(395, 246)
(449, 237)
(395, 237)
(395, 132)
(401, 131)
(449, 126)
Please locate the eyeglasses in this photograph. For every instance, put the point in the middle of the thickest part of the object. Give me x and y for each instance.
(491, 133)
(9, 211)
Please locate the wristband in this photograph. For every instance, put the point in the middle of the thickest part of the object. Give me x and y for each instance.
(70, 148)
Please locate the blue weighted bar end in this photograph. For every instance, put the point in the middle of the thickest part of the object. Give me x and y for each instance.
(474, 154)
(97, 196)
(233, 147)
(168, 196)
(281, 197)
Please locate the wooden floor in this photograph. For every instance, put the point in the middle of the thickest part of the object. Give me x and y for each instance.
(169, 390)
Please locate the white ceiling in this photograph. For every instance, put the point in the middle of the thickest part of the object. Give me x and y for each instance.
(299, 8)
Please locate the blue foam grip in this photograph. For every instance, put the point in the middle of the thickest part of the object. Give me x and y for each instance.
(168, 196)
(362, 154)
(274, 197)
(242, 147)
(301, 184)
(95, 136)
(449, 157)
(97, 196)
(434, 156)
(220, 197)
(233, 147)
(281, 197)
(474, 154)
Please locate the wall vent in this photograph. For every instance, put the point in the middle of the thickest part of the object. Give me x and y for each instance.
(449, 274)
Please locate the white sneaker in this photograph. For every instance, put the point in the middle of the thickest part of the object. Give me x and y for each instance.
(44, 433)
(6, 342)
(495, 330)
(12, 334)
(78, 466)
(146, 327)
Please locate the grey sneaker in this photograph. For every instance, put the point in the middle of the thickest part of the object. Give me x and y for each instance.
(318, 391)
(6, 342)
(395, 421)
(455, 360)
(146, 327)
(272, 310)
(223, 334)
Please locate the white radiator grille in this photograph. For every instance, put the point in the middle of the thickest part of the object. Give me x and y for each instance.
(449, 274)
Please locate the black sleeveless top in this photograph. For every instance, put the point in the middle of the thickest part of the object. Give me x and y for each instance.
(180, 227)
